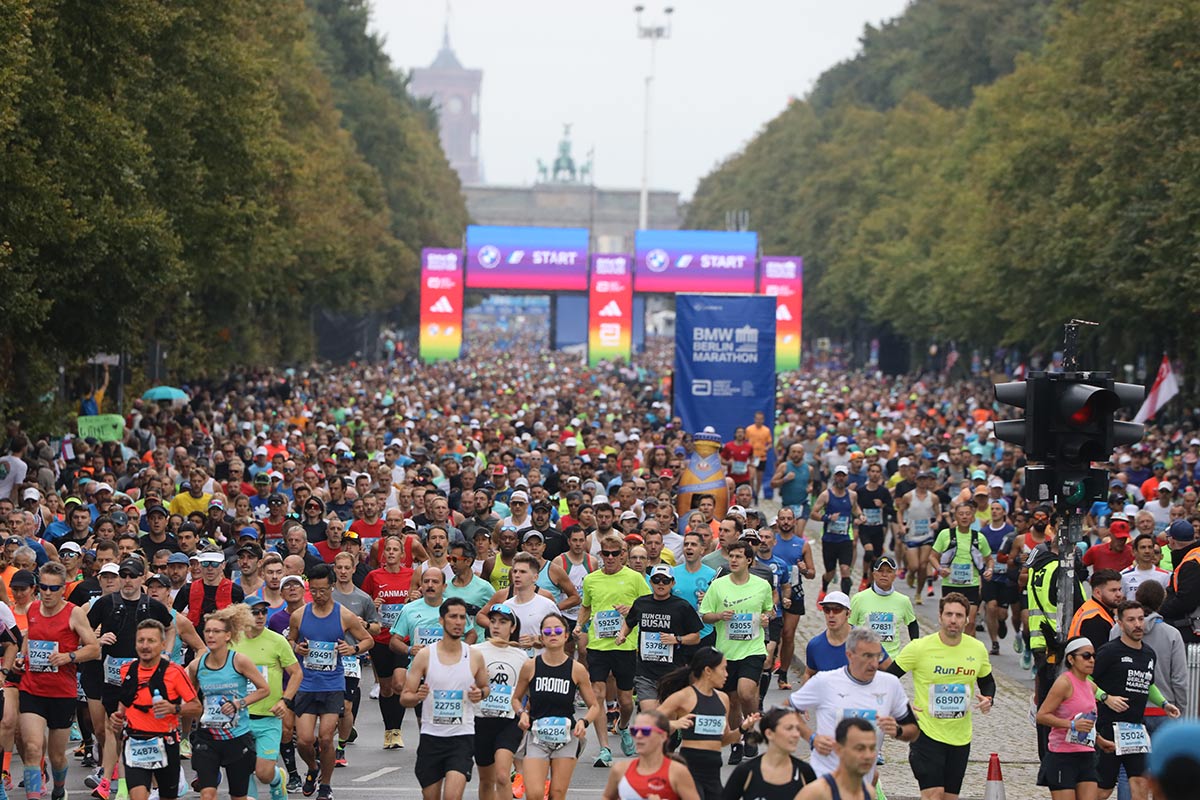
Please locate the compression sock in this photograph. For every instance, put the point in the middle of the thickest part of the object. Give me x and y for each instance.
(764, 683)
(252, 786)
(392, 712)
(288, 751)
(60, 777)
(280, 777)
(846, 582)
(33, 782)
(7, 760)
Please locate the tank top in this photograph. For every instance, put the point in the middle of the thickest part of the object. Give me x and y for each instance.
(322, 666)
(392, 589)
(544, 582)
(710, 719)
(552, 691)
(837, 530)
(447, 711)
(636, 786)
(48, 635)
(217, 687)
(833, 789)
(1081, 701)
(176, 656)
(499, 577)
(576, 572)
(920, 510)
(795, 491)
(758, 788)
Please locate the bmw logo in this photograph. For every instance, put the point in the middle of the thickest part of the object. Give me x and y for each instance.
(657, 260)
(489, 256)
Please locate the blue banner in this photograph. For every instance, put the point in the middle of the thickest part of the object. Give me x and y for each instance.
(724, 361)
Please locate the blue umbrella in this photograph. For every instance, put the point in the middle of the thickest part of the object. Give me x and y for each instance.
(159, 393)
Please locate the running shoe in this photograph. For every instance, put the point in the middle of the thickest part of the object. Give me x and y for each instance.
(903, 574)
(750, 750)
(60, 793)
(911, 579)
(627, 746)
(930, 592)
(89, 760)
(81, 751)
(185, 747)
(862, 585)
(353, 737)
(325, 792)
(604, 759)
(879, 762)
(1003, 629)
(546, 791)
(374, 692)
(339, 759)
(735, 754)
(995, 648)
(919, 600)
(1018, 642)
(392, 739)
(310, 784)
(6, 776)
(76, 734)
(102, 790)
(1026, 660)
(94, 779)
(294, 783)
(518, 786)
(782, 680)
(279, 791)
(821, 598)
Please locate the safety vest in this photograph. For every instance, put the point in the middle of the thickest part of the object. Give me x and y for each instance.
(1090, 609)
(1041, 609)
(1192, 555)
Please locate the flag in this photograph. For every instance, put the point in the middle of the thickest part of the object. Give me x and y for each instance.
(1165, 387)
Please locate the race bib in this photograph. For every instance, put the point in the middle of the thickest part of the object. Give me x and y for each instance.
(742, 627)
(869, 714)
(1131, 738)
(920, 527)
(212, 716)
(709, 725)
(552, 730)
(838, 527)
(145, 753)
(447, 706)
(389, 613)
(883, 623)
(322, 656)
(608, 624)
(112, 669)
(498, 703)
(653, 648)
(1086, 739)
(352, 667)
(961, 573)
(874, 516)
(39, 656)
(948, 700)
(739, 467)
(428, 634)
(262, 670)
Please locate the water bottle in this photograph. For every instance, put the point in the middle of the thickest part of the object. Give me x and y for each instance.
(155, 698)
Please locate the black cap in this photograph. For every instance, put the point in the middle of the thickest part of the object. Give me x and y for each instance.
(133, 565)
(274, 498)
(252, 549)
(542, 504)
(156, 509)
(22, 578)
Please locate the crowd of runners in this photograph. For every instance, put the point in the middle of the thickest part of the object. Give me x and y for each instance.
(496, 544)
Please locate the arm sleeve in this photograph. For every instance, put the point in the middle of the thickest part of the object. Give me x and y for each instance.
(1155, 696)
(987, 685)
(914, 630)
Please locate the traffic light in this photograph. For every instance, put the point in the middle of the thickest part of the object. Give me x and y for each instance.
(1030, 432)
(1082, 428)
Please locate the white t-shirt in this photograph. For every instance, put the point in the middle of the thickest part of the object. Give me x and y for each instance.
(503, 666)
(12, 472)
(834, 695)
(1132, 578)
(1161, 514)
(531, 615)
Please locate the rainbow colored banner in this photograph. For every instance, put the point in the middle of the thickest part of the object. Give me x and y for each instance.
(610, 309)
(783, 279)
(441, 304)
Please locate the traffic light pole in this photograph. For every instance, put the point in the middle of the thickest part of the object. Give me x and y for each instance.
(1069, 535)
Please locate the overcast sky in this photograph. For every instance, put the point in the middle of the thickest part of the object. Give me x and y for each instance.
(727, 69)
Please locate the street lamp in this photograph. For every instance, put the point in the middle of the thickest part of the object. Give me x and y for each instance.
(653, 32)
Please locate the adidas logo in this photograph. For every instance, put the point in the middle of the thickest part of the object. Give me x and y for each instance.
(442, 306)
(611, 310)
(783, 314)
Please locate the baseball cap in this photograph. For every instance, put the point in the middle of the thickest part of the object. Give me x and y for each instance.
(504, 610)
(179, 558)
(110, 569)
(628, 515)
(17, 540)
(749, 535)
(133, 565)
(518, 497)
(1119, 528)
(981, 490)
(924, 474)
(248, 532)
(836, 599)
(1181, 531)
(103, 487)
(254, 600)
(880, 563)
(156, 509)
(903, 462)
(542, 505)
(842, 468)
(216, 502)
(31, 494)
(70, 547)
(661, 569)
(533, 535)
(1166, 486)
(979, 475)
(22, 578)
(291, 579)
(161, 579)
(252, 549)
(262, 479)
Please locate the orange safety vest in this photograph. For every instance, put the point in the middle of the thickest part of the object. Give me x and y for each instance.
(1086, 611)
(1192, 555)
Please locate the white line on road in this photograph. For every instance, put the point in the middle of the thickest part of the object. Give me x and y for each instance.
(379, 773)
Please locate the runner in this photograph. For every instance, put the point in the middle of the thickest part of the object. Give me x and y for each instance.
(692, 579)
(665, 624)
(545, 699)
(998, 593)
(59, 639)
(1145, 566)
(360, 604)
(578, 564)
(856, 751)
(943, 704)
(212, 592)
(653, 775)
(827, 650)
(963, 558)
(777, 573)
(272, 716)
(795, 550)
(878, 511)
(1069, 710)
(919, 509)
(497, 732)
(776, 774)
(607, 597)
(1124, 677)
(883, 609)
(391, 586)
(837, 509)
(740, 606)
(155, 695)
(228, 683)
(858, 689)
(447, 679)
(318, 635)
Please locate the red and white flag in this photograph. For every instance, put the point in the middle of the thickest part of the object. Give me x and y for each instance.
(1165, 387)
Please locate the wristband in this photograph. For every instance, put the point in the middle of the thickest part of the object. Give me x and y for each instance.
(811, 739)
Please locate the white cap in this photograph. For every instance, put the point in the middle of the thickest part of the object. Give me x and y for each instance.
(904, 462)
(1166, 486)
(291, 579)
(943, 457)
(571, 441)
(211, 557)
(835, 599)
(260, 451)
(31, 494)
(110, 569)
(103, 487)
(735, 509)
(518, 495)
(842, 468)
(997, 482)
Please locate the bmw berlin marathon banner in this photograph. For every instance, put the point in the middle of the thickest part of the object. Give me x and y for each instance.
(724, 361)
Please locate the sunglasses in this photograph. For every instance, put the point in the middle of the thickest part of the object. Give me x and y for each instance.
(645, 730)
(660, 579)
(555, 631)
(834, 609)
(610, 553)
(45, 587)
(459, 559)
(1088, 656)
(259, 612)
(127, 574)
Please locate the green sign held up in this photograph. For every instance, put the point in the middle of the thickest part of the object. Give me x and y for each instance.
(102, 427)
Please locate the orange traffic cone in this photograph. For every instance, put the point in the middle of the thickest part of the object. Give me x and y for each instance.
(994, 790)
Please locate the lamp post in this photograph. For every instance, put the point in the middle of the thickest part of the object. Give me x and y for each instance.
(653, 32)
